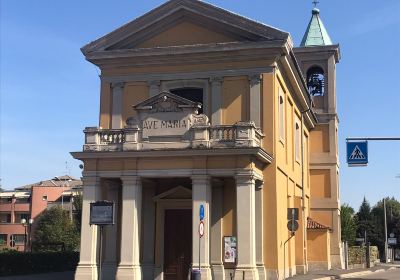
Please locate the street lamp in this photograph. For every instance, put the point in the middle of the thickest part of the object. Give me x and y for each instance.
(26, 224)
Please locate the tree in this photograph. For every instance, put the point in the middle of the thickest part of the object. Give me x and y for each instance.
(77, 204)
(348, 225)
(366, 224)
(55, 226)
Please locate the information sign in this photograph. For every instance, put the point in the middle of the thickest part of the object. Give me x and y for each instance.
(201, 212)
(230, 249)
(357, 153)
(102, 213)
(201, 229)
(392, 241)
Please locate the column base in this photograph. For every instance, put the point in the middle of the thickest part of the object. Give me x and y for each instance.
(301, 269)
(272, 274)
(128, 272)
(86, 272)
(246, 274)
(205, 272)
(148, 271)
(262, 274)
(217, 271)
(337, 261)
(109, 270)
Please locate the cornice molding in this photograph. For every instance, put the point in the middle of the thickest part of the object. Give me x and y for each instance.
(212, 75)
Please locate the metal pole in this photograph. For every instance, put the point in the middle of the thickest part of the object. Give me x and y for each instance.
(385, 226)
(100, 251)
(25, 240)
(199, 253)
(373, 138)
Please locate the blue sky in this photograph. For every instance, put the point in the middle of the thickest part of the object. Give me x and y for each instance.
(49, 93)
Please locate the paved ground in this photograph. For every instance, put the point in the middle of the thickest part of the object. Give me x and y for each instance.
(381, 272)
(67, 275)
(356, 274)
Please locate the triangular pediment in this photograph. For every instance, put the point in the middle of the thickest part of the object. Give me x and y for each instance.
(179, 192)
(184, 22)
(167, 102)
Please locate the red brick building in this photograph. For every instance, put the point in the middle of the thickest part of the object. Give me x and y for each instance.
(20, 208)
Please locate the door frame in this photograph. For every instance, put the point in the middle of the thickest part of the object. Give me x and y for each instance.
(161, 206)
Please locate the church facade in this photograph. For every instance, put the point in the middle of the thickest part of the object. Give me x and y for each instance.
(216, 136)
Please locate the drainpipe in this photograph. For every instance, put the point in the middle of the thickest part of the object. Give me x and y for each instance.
(303, 194)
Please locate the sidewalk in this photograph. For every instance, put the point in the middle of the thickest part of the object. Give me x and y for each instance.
(66, 275)
(342, 274)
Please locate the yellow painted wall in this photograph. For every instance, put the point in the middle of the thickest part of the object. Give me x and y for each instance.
(320, 183)
(322, 216)
(134, 93)
(235, 93)
(185, 33)
(320, 139)
(318, 245)
(105, 105)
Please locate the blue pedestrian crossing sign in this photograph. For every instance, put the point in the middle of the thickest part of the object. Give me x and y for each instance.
(357, 153)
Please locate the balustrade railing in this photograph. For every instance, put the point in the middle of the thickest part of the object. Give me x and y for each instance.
(241, 134)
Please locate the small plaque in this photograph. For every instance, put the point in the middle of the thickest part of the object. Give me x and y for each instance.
(102, 213)
(392, 241)
(230, 249)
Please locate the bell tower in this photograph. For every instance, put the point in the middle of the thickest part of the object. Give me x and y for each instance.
(317, 57)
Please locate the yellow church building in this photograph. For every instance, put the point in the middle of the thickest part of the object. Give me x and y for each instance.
(212, 124)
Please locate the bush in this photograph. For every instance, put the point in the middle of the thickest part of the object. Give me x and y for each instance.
(14, 263)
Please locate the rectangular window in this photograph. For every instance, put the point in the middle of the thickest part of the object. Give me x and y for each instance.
(5, 200)
(44, 198)
(3, 239)
(281, 112)
(22, 200)
(297, 141)
(19, 239)
(21, 216)
(5, 218)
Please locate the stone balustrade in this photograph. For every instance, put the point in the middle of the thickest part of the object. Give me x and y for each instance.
(130, 138)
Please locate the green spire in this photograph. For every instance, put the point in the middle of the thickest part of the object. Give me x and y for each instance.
(316, 34)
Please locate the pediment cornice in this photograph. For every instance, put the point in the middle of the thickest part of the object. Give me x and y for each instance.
(168, 14)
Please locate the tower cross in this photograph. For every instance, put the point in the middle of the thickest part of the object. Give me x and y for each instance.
(315, 2)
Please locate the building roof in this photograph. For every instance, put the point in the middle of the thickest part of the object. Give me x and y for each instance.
(58, 181)
(316, 34)
(311, 224)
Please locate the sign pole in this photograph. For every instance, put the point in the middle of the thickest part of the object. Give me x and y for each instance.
(386, 238)
(100, 250)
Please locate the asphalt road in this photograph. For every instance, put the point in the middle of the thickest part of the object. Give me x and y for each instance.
(393, 274)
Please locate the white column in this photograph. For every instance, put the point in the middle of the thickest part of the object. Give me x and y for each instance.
(109, 266)
(259, 231)
(216, 100)
(201, 195)
(255, 99)
(87, 267)
(217, 264)
(246, 236)
(148, 224)
(154, 88)
(116, 113)
(129, 266)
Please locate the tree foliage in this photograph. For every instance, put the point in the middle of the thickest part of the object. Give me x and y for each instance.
(77, 204)
(348, 225)
(55, 225)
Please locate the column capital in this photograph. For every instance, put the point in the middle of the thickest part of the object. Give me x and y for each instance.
(245, 177)
(128, 180)
(216, 80)
(255, 79)
(200, 179)
(117, 84)
(91, 180)
(153, 83)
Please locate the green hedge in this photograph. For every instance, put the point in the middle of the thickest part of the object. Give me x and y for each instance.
(14, 263)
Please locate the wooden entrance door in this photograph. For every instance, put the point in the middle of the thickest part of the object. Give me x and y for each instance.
(177, 243)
